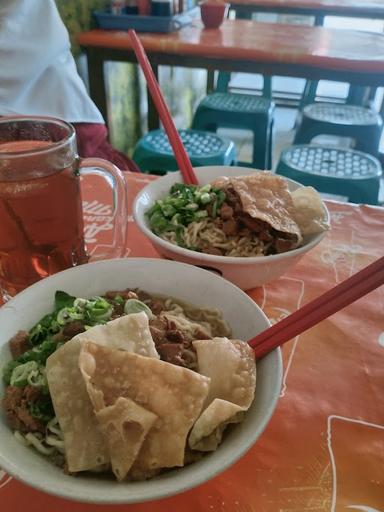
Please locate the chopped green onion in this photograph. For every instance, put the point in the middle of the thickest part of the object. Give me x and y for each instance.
(136, 306)
(21, 373)
(119, 299)
(205, 198)
(98, 309)
(192, 206)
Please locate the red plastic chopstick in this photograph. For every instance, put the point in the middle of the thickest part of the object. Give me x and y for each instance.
(179, 151)
(348, 291)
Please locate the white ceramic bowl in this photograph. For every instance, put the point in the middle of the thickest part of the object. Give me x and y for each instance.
(245, 272)
(185, 282)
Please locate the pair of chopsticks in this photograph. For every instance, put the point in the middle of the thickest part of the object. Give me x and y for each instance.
(312, 313)
(179, 150)
(348, 291)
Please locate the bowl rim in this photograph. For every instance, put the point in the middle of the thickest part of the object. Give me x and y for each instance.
(81, 491)
(212, 258)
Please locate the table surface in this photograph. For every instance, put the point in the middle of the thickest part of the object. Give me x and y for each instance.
(358, 8)
(323, 450)
(293, 45)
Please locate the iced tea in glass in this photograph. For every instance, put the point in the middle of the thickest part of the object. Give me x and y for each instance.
(41, 217)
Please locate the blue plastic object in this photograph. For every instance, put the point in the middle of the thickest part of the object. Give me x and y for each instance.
(359, 123)
(154, 154)
(108, 21)
(241, 111)
(342, 172)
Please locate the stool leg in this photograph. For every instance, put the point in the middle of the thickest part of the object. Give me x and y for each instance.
(357, 95)
(270, 146)
(260, 158)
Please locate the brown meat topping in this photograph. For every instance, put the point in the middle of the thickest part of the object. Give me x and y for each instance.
(71, 329)
(235, 222)
(126, 294)
(283, 244)
(158, 327)
(226, 211)
(16, 404)
(230, 227)
(209, 249)
(19, 344)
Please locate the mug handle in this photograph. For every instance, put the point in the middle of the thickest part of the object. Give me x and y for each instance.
(108, 170)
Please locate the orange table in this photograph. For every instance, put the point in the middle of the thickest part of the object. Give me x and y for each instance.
(351, 8)
(323, 450)
(243, 45)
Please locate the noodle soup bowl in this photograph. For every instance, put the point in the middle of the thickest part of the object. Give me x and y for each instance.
(185, 282)
(246, 272)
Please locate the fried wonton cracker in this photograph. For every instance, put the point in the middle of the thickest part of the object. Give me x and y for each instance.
(265, 196)
(128, 332)
(174, 394)
(230, 364)
(85, 447)
(124, 426)
(310, 213)
(207, 432)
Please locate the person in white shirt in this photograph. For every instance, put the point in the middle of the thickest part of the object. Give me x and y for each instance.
(38, 76)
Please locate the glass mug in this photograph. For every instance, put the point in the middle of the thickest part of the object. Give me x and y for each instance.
(41, 216)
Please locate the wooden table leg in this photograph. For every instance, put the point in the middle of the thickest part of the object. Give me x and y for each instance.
(153, 116)
(96, 81)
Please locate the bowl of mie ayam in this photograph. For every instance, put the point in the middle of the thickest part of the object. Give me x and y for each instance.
(269, 200)
(188, 284)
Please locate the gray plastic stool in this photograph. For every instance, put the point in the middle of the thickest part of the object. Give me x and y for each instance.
(343, 172)
(359, 123)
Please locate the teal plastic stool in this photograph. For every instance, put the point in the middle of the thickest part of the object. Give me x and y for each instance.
(343, 172)
(241, 111)
(154, 154)
(359, 123)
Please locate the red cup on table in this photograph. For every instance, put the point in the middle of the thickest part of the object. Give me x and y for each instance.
(213, 12)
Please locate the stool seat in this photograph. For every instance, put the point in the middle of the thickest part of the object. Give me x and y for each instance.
(331, 170)
(341, 114)
(241, 111)
(358, 123)
(237, 102)
(153, 153)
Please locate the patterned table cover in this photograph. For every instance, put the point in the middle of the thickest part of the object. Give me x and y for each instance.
(323, 450)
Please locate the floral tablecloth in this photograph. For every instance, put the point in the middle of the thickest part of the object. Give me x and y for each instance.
(323, 450)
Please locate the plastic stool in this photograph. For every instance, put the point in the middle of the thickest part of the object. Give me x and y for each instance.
(359, 123)
(344, 172)
(242, 111)
(154, 154)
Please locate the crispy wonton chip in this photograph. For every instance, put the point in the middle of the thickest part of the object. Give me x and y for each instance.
(174, 394)
(208, 430)
(265, 196)
(84, 443)
(230, 364)
(129, 332)
(310, 213)
(125, 426)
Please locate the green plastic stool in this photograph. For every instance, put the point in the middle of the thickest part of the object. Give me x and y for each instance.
(330, 170)
(242, 111)
(154, 154)
(359, 123)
